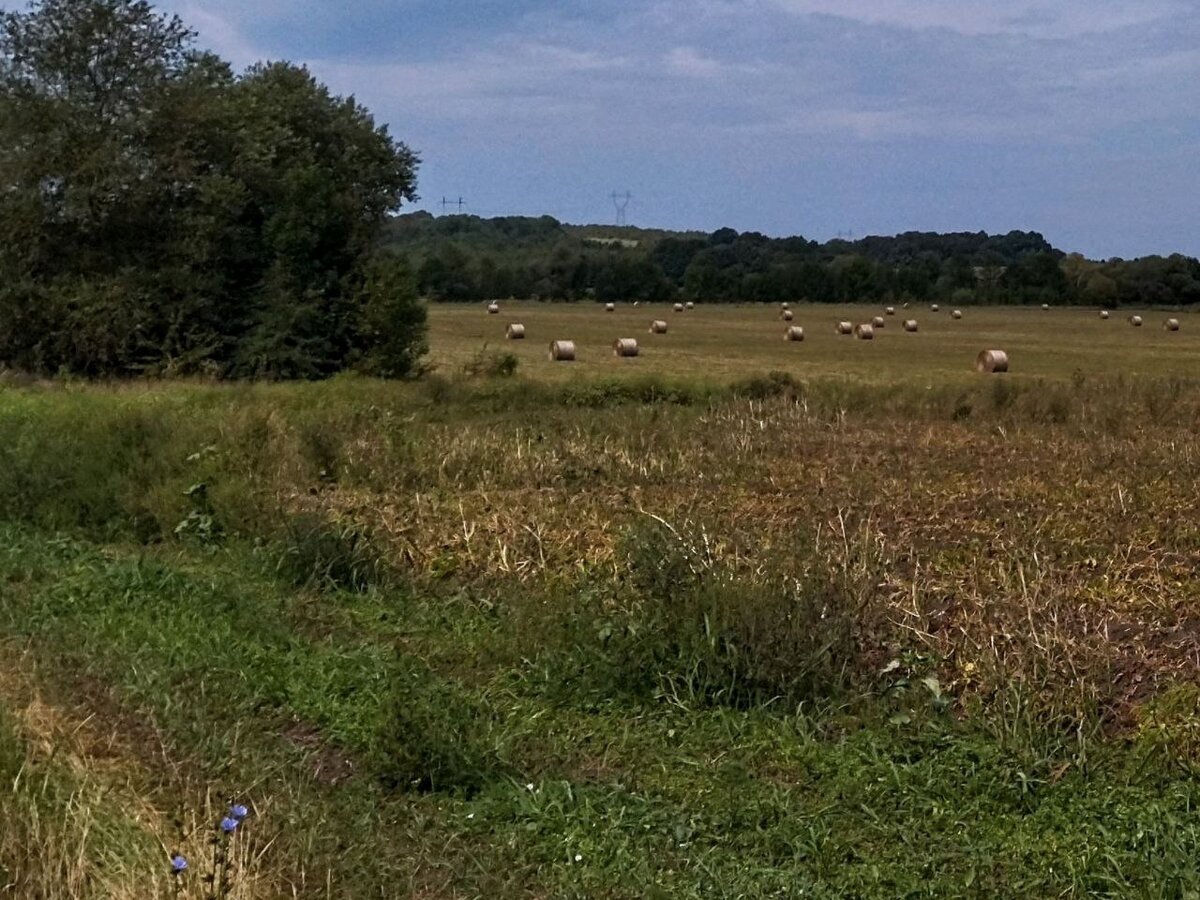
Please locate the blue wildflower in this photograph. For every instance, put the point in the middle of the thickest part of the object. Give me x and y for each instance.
(229, 825)
(238, 811)
(178, 864)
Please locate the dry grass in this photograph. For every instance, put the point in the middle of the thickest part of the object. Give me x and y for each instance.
(79, 818)
(1013, 551)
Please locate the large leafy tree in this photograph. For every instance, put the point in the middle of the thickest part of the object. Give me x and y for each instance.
(159, 213)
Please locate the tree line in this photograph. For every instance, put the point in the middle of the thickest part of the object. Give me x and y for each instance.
(160, 214)
(466, 258)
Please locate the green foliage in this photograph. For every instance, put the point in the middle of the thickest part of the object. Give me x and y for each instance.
(492, 364)
(763, 387)
(696, 628)
(330, 555)
(164, 216)
(722, 718)
(436, 737)
(393, 320)
(200, 523)
(465, 258)
(648, 390)
(1169, 729)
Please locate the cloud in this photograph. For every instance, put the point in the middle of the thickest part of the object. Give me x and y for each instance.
(868, 69)
(729, 88)
(1037, 18)
(219, 34)
(689, 62)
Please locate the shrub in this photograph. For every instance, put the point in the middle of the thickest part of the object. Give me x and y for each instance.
(394, 321)
(492, 364)
(763, 387)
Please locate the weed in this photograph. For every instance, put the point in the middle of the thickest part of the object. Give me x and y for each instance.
(331, 555)
(764, 387)
(698, 627)
(200, 524)
(491, 364)
(642, 634)
(436, 737)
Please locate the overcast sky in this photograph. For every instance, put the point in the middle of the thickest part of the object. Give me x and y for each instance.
(1077, 118)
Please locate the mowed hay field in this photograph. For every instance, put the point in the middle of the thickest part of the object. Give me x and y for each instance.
(723, 342)
(727, 629)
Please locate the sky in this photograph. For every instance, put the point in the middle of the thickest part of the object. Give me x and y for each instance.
(1079, 119)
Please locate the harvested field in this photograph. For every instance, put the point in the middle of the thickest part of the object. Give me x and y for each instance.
(728, 342)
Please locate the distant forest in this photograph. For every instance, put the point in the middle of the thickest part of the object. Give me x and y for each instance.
(467, 258)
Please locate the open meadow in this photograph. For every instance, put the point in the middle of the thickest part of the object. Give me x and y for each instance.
(735, 618)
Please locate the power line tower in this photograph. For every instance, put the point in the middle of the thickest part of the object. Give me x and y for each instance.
(845, 235)
(621, 202)
(460, 203)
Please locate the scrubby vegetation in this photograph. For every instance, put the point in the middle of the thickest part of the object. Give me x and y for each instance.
(492, 637)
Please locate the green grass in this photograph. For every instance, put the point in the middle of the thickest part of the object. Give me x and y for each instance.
(596, 798)
(744, 635)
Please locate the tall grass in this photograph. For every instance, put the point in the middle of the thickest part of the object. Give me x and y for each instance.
(695, 626)
(731, 638)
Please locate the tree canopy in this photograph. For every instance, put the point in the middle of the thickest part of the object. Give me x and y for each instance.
(468, 258)
(159, 213)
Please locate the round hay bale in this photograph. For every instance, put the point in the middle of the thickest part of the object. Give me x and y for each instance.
(1135, 321)
(625, 347)
(1171, 325)
(637, 303)
(786, 315)
(956, 314)
(891, 311)
(906, 304)
(783, 305)
(879, 322)
(689, 305)
(493, 309)
(910, 325)
(610, 307)
(515, 331)
(793, 333)
(1104, 313)
(678, 307)
(991, 361)
(845, 328)
(933, 307)
(658, 326)
(562, 351)
(1045, 307)
(865, 331)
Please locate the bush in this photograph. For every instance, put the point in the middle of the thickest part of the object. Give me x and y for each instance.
(197, 222)
(394, 321)
(492, 364)
(764, 387)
